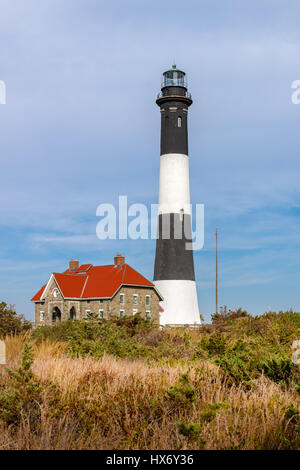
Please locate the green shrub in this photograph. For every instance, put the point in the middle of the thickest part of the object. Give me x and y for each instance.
(277, 369)
(210, 411)
(183, 393)
(228, 316)
(22, 393)
(291, 414)
(191, 430)
(214, 344)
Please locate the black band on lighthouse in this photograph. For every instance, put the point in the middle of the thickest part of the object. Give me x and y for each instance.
(174, 130)
(173, 260)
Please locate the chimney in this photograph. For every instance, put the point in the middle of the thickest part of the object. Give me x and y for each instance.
(73, 265)
(119, 260)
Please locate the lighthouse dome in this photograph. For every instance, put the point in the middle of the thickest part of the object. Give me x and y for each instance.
(174, 77)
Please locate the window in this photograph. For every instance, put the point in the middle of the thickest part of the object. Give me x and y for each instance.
(42, 316)
(122, 299)
(101, 301)
(179, 121)
(88, 312)
(134, 311)
(135, 299)
(122, 313)
(55, 293)
(147, 299)
(88, 301)
(72, 314)
(148, 314)
(101, 313)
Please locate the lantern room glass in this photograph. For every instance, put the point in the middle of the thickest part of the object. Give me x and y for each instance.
(174, 78)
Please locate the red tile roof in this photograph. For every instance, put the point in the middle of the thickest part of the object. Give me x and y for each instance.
(96, 282)
(71, 285)
(83, 268)
(38, 294)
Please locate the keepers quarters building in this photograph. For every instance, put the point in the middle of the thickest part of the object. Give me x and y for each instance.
(114, 290)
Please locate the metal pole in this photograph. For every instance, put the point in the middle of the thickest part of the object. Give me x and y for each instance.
(217, 270)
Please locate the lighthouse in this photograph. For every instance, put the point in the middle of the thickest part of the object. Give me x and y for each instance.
(174, 274)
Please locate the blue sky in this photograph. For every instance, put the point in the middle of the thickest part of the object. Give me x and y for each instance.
(81, 127)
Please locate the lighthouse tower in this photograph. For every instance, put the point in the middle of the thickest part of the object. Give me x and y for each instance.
(174, 274)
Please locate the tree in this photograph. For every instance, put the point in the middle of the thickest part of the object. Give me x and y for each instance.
(10, 321)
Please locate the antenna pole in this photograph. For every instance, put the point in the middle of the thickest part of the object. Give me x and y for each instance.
(217, 270)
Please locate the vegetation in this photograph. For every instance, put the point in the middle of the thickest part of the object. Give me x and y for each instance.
(126, 384)
(10, 321)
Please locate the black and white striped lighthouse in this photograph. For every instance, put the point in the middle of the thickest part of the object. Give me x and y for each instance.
(174, 274)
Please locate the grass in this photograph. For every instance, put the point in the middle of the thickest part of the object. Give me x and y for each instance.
(124, 384)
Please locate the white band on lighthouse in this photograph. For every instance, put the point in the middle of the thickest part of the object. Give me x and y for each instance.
(180, 306)
(174, 186)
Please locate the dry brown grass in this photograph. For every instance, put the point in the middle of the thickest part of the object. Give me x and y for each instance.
(124, 404)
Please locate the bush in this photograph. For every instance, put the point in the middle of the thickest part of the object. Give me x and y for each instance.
(11, 322)
(278, 370)
(227, 316)
(215, 344)
(117, 336)
(22, 394)
(183, 393)
(191, 430)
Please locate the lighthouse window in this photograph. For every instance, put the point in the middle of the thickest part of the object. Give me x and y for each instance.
(179, 121)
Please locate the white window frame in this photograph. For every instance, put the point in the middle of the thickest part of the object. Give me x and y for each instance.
(87, 312)
(101, 313)
(123, 313)
(122, 296)
(134, 311)
(42, 316)
(148, 312)
(135, 296)
(148, 297)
